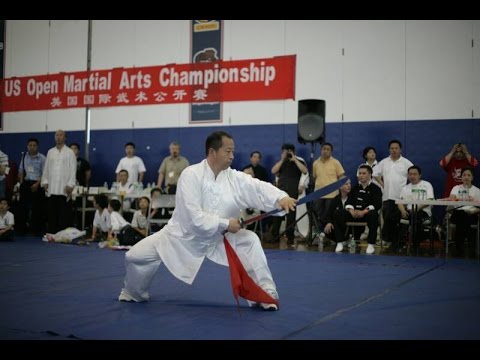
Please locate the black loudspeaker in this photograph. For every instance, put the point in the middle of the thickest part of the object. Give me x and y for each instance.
(311, 121)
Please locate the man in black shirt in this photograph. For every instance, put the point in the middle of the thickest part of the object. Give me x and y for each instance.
(288, 169)
(257, 170)
(83, 176)
(362, 206)
(84, 171)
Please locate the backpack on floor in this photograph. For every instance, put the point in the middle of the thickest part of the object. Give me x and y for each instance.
(129, 236)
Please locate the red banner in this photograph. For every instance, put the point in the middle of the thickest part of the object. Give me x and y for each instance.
(242, 80)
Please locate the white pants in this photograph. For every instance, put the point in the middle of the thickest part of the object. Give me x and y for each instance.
(143, 260)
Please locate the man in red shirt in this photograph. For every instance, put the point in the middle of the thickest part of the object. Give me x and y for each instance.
(453, 163)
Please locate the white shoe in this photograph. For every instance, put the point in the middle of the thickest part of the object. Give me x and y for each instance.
(370, 249)
(125, 296)
(270, 307)
(339, 247)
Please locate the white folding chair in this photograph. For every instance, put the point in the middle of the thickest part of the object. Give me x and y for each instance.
(164, 202)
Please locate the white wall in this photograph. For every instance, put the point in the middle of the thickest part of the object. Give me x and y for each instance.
(391, 70)
(35, 47)
(439, 69)
(318, 46)
(476, 69)
(374, 70)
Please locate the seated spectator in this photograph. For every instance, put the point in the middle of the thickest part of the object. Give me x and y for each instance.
(416, 189)
(139, 222)
(464, 216)
(336, 210)
(155, 193)
(7, 221)
(117, 221)
(362, 205)
(101, 221)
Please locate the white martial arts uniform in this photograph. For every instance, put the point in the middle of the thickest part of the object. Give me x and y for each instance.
(203, 208)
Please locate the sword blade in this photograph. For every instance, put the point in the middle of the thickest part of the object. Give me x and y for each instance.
(310, 197)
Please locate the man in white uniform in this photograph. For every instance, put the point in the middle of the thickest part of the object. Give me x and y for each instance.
(209, 198)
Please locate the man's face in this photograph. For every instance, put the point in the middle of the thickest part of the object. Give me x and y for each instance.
(459, 154)
(60, 137)
(363, 175)
(75, 149)
(395, 150)
(326, 152)
(123, 177)
(3, 205)
(223, 157)
(174, 150)
(129, 150)
(32, 147)
(255, 159)
(414, 176)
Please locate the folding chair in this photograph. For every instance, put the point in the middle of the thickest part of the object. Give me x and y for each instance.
(164, 202)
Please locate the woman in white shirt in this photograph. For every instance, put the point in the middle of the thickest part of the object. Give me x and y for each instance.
(464, 216)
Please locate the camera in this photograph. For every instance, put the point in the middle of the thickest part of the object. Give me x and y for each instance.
(289, 155)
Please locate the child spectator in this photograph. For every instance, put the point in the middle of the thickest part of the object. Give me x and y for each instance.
(117, 221)
(139, 222)
(101, 220)
(7, 221)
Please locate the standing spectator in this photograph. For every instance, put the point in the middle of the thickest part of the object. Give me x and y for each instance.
(326, 170)
(370, 156)
(391, 173)
(133, 164)
(256, 170)
(457, 159)
(84, 171)
(58, 179)
(83, 175)
(32, 195)
(288, 169)
(171, 168)
(3, 171)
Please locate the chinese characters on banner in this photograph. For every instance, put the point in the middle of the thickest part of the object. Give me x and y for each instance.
(196, 83)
